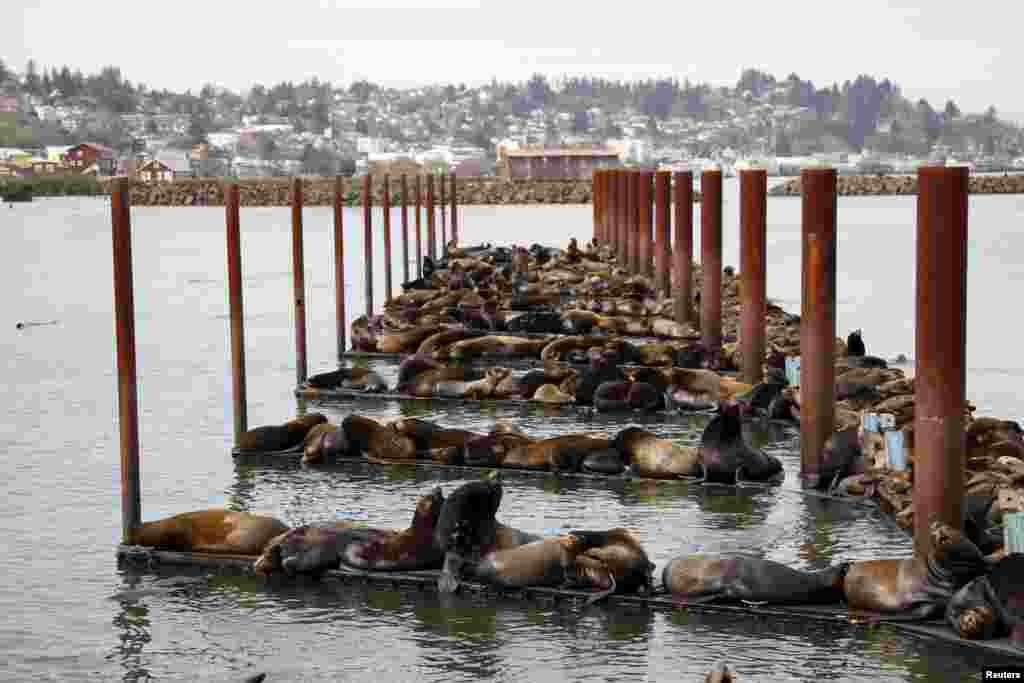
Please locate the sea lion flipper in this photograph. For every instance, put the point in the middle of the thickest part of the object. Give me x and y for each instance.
(601, 595)
(449, 579)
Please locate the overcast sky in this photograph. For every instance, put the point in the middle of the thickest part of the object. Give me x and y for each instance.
(938, 49)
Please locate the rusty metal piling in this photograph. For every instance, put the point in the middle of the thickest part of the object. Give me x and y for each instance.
(444, 214)
(405, 228)
(234, 242)
(386, 205)
(368, 241)
(663, 223)
(455, 208)
(299, 282)
(418, 191)
(817, 319)
(127, 380)
(339, 263)
(711, 259)
(431, 237)
(682, 247)
(753, 271)
(645, 265)
(940, 350)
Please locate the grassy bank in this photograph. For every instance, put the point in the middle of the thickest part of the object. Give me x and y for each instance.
(51, 185)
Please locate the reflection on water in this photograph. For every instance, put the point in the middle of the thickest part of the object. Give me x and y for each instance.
(73, 615)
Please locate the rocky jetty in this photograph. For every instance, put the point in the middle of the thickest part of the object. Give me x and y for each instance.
(319, 191)
(904, 184)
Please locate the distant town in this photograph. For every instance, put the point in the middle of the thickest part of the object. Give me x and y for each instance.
(58, 121)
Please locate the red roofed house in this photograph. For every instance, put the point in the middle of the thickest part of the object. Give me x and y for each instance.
(80, 158)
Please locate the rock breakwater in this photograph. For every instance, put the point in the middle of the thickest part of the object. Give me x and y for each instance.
(904, 184)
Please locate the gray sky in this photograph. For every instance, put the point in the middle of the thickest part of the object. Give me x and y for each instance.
(935, 49)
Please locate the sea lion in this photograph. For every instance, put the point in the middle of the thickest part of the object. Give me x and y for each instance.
(546, 562)
(856, 353)
(1007, 579)
(547, 322)
(380, 443)
(428, 436)
(489, 450)
(556, 348)
(560, 453)
(432, 344)
(620, 553)
(549, 393)
(976, 613)
(497, 344)
(466, 529)
(405, 341)
(648, 455)
(917, 587)
(280, 437)
(727, 457)
(313, 549)
(611, 397)
(703, 578)
(209, 531)
(474, 389)
(349, 378)
(720, 674)
(601, 370)
(313, 446)
(364, 335)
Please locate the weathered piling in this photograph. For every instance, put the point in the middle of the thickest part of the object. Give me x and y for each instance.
(632, 224)
(339, 263)
(682, 246)
(234, 240)
(940, 371)
(387, 238)
(418, 188)
(625, 190)
(368, 241)
(818, 319)
(663, 220)
(299, 283)
(455, 209)
(711, 259)
(431, 241)
(444, 212)
(646, 251)
(595, 203)
(127, 387)
(753, 271)
(405, 228)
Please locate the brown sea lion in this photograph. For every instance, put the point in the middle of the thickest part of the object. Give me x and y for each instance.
(560, 453)
(489, 450)
(916, 587)
(317, 548)
(620, 553)
(976, 613)
(720, 674)
(499, 345)
(429, 346)
(549, 393)
(209, 531)
(703, 578)
(380, 443)
(364, 335)
(405, 341)
(280, 437)
(554, 349)
(474, 389)
(547, 562)
(651, 456)
(313, 445)
(428, 436)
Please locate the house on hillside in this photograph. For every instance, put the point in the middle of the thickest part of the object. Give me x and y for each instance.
(154, 170)
(82, 158)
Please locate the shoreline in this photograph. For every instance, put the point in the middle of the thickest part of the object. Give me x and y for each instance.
(885, 185)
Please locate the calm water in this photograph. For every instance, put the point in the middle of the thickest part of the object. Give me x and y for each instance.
(73, 615)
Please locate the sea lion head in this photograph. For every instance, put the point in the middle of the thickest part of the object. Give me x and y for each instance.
(305, 549)
(410, 368)
(855, 344)
(428, 509)
(976, 623)
(952, 551)
(467, 513)
(644, 396)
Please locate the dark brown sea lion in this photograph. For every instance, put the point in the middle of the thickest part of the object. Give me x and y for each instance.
(314, 549)
(428, 436)
(405, 341)
(209, 531)
(489, 450)
(619, 552)
(357, 379)
(547, 562)
(916, 587)
(280, 437)
(976, 613)
(1007, 580)
(313, 445)
(560, 453)
(466, 529)
(601, 370)
(497, 344)
(703, 578)
(726, 456)
(380, 443)
(648, 455)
